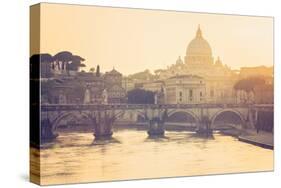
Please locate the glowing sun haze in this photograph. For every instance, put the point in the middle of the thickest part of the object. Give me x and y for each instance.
(133, 40)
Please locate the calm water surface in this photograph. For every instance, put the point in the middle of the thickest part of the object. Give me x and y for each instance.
(76, 157)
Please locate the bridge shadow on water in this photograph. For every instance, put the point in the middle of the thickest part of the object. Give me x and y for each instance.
(105, 141)
(84, 140)
(180, 137)
(206, 136)
(77, 139)
(156, 138)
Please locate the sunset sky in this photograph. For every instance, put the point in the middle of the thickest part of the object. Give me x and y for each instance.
(132, 40)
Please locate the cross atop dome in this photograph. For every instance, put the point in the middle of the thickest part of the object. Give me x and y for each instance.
(199, 32)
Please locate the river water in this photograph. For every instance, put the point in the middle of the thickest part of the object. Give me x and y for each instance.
(130, 154)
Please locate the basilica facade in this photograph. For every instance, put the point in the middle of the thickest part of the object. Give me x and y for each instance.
(199, 78)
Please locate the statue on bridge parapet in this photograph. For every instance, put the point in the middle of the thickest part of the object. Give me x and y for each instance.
(87, 96)
(104, 97)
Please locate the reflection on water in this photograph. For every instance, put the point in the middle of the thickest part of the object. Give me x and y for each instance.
(131, 154)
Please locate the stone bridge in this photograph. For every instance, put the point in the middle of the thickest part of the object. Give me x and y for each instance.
(103, 116)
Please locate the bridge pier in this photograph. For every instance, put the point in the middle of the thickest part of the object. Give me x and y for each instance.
(156, 119)
(204, 127)
(103, 125)
(156, 127)
(46, 132)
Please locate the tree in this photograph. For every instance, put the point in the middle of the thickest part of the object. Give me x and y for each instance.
(64, 58)
(45, 57)
(92, 69)
(43, 60)
(144, 75)
(98, 71)
(140, 96)
(76, 61)
(158, 71)
(46, 60)
(249, 84)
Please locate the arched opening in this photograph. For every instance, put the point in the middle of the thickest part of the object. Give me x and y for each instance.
(227, 120)
(73, 122)
(182, 118)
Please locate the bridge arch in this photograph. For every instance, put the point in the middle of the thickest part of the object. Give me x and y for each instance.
(59, 118)
(223, 112)
(141, 117)
(184, 112)
(140, 114)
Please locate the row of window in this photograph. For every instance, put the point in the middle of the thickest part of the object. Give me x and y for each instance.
(190, 93)
(190, 99)
(194, 82)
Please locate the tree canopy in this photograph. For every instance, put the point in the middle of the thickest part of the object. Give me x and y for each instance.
(144, 75)
(63, 56)
(140, 96)
(248, 84)
(70, 61)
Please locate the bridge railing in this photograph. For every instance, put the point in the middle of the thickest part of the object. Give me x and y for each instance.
(81, 107)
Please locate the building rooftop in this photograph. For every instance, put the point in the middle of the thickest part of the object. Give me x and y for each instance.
(190, 76)
(113, 72)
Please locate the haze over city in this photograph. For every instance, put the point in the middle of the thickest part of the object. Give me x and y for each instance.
(134, 40)
(114, 90)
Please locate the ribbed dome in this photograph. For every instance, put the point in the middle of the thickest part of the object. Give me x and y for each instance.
(199, 46)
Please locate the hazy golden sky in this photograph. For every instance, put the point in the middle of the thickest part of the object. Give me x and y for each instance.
(132, 40)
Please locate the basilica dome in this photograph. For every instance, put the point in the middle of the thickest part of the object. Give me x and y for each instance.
(199, 46)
